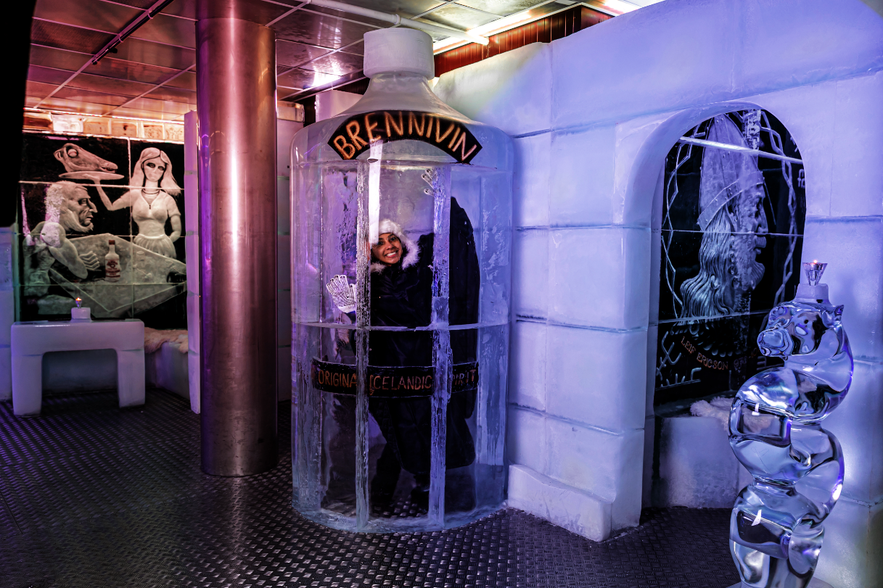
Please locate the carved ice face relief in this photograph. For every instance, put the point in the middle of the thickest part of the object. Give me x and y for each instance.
(749, 238)
(154, 169)
(78, 212)
(732, 216)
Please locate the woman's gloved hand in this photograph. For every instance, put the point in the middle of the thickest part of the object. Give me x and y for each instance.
(343, 293)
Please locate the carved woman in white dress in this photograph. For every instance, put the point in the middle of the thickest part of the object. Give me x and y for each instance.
(152, 202)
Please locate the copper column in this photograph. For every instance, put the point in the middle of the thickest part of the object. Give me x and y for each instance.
(236, 103)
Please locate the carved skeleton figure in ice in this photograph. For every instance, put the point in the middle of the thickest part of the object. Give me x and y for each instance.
(776, 527)
(68, 209)
(151, 201)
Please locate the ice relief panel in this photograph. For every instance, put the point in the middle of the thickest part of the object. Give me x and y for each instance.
(101, 219)
(732, 226)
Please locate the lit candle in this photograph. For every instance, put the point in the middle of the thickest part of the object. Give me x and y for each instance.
(80, 314)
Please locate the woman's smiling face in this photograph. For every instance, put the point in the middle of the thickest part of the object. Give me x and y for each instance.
(388, 249)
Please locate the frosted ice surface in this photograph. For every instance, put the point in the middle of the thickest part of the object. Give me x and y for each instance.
(531, 181)
(511, 92)
(582, 178)
(857, 244)
(593, 460)
(530, 260)
(527, 439)
(571, 376)
(608, 266)
(857, 180)
(528, 366)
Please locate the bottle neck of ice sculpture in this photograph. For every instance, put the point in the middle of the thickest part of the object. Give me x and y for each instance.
(402, 91)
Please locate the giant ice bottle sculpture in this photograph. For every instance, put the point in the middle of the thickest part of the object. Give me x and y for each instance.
(776, 527)
(400, 224)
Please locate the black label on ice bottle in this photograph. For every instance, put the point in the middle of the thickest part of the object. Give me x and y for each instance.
(356, 134)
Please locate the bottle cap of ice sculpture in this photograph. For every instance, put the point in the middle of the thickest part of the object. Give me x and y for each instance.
(813, 290)
(399, 50)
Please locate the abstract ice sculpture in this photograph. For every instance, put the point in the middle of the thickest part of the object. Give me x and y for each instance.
(776, 527)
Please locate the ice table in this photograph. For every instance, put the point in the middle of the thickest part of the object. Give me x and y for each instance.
(30, 340)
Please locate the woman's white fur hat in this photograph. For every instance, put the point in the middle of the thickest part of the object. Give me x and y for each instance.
(412, 250)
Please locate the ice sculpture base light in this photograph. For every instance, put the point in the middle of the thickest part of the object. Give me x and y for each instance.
(777, 523)
(401, 231)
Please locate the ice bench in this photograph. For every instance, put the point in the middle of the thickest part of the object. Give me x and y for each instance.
(30, 340)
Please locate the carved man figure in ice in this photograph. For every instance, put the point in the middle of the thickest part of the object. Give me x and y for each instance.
(69, 209)
(151, 201)
(776, 527)
(401, 295)
(733, 223)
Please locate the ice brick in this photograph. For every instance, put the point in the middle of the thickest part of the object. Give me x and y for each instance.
(511, 91)
(283, 317)
(598, 276)
(814, 44)
(852, 537)
(647, 471)
(567, 507)
(856, 424)
(193, 376)
(6, 273)
(599, 462)
(285, 131)
(530, 182)
(657, 47)
(191, 178)
(640, 159)
(526, 438)
(191, 203)
(528, 365)
(191, 250)
(283, 205)
(283, 372)
(582, 178)
(193, 321)
(697, 467)
(7, 315)
(283, 261)
(855, 146)
(5, 373)
(530, 271)
(597, 377)
(650, 382)
(853, 250)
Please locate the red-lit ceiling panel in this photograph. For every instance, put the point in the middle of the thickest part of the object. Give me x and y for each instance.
(319, 30)
(66, 37)
(101, 16)
(290, 54)
(169, 30)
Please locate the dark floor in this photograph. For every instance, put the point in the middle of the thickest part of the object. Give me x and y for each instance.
(93, 496)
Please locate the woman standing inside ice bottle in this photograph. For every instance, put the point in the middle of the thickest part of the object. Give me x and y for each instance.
(152, 202)
(401, 296)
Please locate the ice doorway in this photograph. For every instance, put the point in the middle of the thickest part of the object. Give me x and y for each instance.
(729, 212)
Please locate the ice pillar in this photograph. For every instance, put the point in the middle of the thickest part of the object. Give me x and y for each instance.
(236, 87)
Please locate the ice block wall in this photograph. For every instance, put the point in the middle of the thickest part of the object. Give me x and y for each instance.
(7, 311)
(593, 116)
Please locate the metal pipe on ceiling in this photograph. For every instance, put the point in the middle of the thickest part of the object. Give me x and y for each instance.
(399, 20)
(131, 28)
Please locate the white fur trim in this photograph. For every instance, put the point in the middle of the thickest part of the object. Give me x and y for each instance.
(412, 250)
